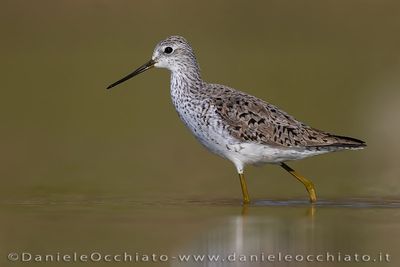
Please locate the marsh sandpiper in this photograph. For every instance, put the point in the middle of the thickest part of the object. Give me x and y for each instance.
(237, 126)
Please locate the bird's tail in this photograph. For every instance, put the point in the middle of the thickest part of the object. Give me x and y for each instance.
(344, 142)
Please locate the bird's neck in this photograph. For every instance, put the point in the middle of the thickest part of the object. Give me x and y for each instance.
(186, 79)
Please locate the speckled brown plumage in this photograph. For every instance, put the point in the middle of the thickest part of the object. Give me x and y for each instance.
(254, 120)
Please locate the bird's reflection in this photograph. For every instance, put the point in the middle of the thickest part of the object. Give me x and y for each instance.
(256, 234)
(310, 210)
(247, 238)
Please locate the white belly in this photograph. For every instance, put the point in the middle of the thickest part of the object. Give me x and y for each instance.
(218, 141)
(253, 153)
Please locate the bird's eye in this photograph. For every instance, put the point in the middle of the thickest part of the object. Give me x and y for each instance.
(168, 50)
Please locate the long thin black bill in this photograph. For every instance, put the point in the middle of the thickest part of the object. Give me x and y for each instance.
(139, 70)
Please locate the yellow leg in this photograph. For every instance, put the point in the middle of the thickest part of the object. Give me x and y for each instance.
(246, 198)
(307, 183)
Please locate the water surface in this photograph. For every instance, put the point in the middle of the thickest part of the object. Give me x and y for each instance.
(175, 227)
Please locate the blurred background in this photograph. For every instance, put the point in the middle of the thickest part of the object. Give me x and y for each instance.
(69, 148)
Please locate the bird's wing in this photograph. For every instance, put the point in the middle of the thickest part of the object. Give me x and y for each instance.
(253, 120)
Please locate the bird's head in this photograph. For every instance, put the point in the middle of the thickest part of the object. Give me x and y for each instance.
(173, 53)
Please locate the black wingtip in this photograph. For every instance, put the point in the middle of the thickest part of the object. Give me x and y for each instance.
(349, 142)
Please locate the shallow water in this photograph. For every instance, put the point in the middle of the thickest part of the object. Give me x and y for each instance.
(172, 228)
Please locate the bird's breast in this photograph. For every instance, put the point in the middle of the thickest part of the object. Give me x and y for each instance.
(200, 118)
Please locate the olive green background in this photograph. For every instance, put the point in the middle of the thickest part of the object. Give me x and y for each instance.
(83, 168)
